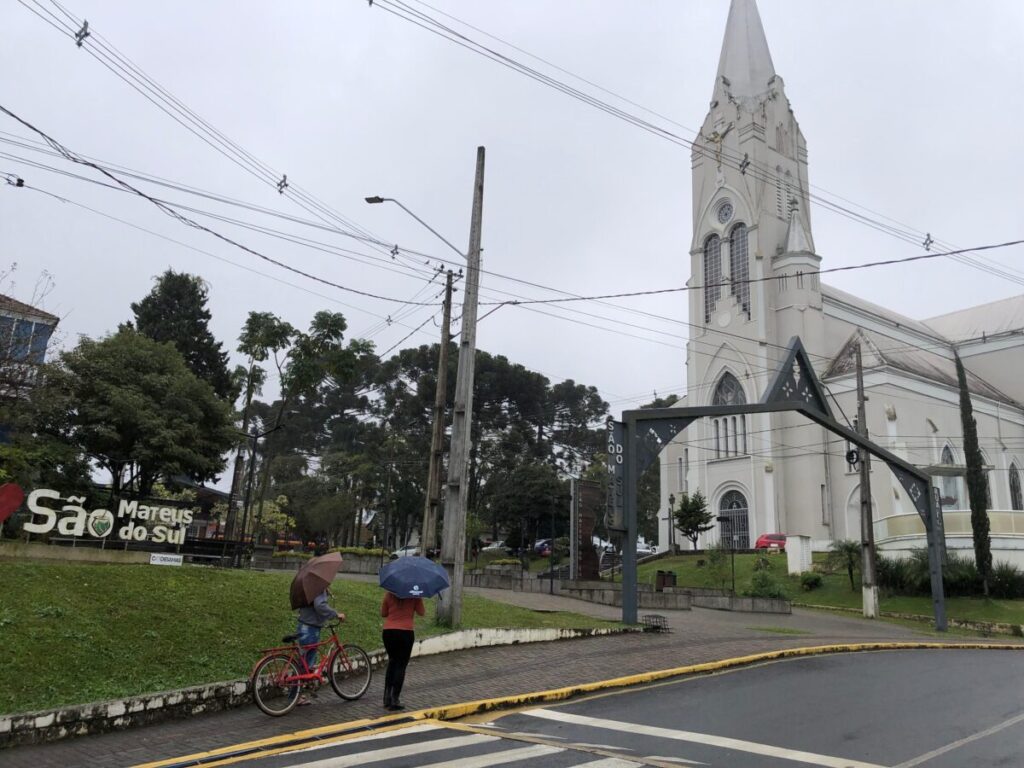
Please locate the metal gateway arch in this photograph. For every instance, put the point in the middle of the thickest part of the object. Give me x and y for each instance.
(635, 443)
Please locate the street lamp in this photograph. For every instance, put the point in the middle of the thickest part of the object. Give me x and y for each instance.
(732, 549)
(377, 199)
(671, 523)
(449, 610)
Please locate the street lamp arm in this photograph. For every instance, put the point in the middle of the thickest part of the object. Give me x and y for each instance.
(377, 199)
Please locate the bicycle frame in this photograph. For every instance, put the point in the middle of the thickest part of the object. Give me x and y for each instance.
(298, 652)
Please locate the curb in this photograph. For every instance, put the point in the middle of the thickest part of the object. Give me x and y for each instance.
(993, 627)
(117, 714)
(286, 742)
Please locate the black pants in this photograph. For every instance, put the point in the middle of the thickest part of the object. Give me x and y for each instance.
(398, 644)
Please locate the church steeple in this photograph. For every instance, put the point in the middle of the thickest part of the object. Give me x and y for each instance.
(745, 65)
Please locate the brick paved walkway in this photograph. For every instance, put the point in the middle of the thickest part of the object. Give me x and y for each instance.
(697, 636)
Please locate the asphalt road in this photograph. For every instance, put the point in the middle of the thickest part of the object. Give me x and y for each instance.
(932, 708)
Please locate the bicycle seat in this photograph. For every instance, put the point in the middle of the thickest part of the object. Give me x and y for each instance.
(289, 638)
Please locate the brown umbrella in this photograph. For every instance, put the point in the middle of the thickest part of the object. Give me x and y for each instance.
(313, 578)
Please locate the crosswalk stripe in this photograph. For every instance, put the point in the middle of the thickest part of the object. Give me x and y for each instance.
(609, 762)
(497, 758)
(392, 753)
(371, 737)
(723, 742)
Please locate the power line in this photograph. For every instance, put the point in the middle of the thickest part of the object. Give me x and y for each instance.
(175, 214)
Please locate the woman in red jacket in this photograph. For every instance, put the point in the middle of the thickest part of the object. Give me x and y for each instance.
(398, 638)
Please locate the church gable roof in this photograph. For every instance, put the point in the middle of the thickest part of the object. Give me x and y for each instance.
(833, 295)
(879, 351)
(992, 319)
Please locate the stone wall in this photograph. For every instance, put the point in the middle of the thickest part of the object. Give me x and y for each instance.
(37, 551)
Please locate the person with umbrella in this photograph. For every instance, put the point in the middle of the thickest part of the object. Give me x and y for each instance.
(407, 581)
(309, 593)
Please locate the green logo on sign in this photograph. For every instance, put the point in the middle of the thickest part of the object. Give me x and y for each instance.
(101, 521)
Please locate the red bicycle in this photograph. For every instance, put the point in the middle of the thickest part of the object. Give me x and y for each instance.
(281, 674)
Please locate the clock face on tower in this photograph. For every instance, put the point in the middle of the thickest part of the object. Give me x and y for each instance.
(724, 212)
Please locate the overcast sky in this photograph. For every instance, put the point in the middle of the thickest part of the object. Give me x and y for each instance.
(912, 109)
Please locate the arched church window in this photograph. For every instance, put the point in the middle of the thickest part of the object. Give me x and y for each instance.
(729, 392)
(739, 267)
(712, 275)
(950, 484)
(1016, 497)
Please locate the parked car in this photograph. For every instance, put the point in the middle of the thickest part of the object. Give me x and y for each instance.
(771, 541)
(495, 546)
(643, 550)
(405, 552)
(542, 546)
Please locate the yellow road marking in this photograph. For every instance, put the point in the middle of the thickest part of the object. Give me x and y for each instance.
(465, 709)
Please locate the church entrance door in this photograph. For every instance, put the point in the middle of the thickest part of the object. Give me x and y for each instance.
(735, 528)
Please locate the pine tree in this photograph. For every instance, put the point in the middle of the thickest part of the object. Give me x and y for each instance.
(977, 484)
(175, 311)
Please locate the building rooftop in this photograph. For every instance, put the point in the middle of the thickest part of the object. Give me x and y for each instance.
(992, 319)
(11, 306)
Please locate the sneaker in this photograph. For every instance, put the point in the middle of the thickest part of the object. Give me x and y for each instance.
(304, 701)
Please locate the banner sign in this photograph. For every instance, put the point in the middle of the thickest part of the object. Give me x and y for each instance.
(615, 514)
(133, 522)
(159, 558)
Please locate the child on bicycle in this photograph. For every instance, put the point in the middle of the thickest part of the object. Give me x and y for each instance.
(312, 619)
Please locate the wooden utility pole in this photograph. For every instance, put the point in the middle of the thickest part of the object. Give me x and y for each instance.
(869, 588)
(453, 547)
(437, 438)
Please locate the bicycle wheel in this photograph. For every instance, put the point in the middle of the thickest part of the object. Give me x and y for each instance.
(350, 672)
(274, 683)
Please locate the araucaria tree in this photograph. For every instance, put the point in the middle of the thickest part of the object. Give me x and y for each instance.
(175, 311)
(977, 484)
(135, 408)
(692, 517)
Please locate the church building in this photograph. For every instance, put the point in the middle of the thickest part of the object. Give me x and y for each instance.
(753, 248)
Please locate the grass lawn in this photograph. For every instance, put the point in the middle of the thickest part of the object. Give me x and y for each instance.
(74, 633)
(834, 592)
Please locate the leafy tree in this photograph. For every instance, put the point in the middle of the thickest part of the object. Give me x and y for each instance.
(977, 484)
(692, 518)
(845, 553)
(133, 405)
(175, 311)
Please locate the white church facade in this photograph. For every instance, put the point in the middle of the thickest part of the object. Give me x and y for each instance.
(753, 248)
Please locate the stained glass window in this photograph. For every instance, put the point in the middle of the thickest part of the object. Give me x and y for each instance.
(1016, 497)
(712, 275)
(739, 267)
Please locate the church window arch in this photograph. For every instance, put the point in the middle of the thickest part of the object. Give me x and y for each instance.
(730, 431)
(739, 267)
(712, 275)
(1016, 495)
(949, 485)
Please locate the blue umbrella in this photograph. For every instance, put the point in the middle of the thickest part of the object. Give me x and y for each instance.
(413, 577)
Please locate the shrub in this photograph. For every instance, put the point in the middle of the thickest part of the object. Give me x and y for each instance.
(960, 577)
(505, 561)
(893, 575)
(718, 564)
(1007, 581)
(377, 552)
(293, 553)
(762, 564)
(810, 581)
(763, 584)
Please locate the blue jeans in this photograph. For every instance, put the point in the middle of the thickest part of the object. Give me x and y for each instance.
(309, 635)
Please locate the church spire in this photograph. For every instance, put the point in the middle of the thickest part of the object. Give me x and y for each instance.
(745, 65)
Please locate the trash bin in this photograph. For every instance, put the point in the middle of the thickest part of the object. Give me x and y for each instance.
(670, 579)
(659, 581)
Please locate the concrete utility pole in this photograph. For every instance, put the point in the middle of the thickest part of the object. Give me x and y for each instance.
(437, 438)
(453, 548)
(867, 529)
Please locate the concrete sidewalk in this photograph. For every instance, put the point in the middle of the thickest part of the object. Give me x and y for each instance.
(696, 636)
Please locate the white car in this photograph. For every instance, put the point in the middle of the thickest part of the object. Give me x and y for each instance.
(405, 552)
(642, 550)
(494, 546)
